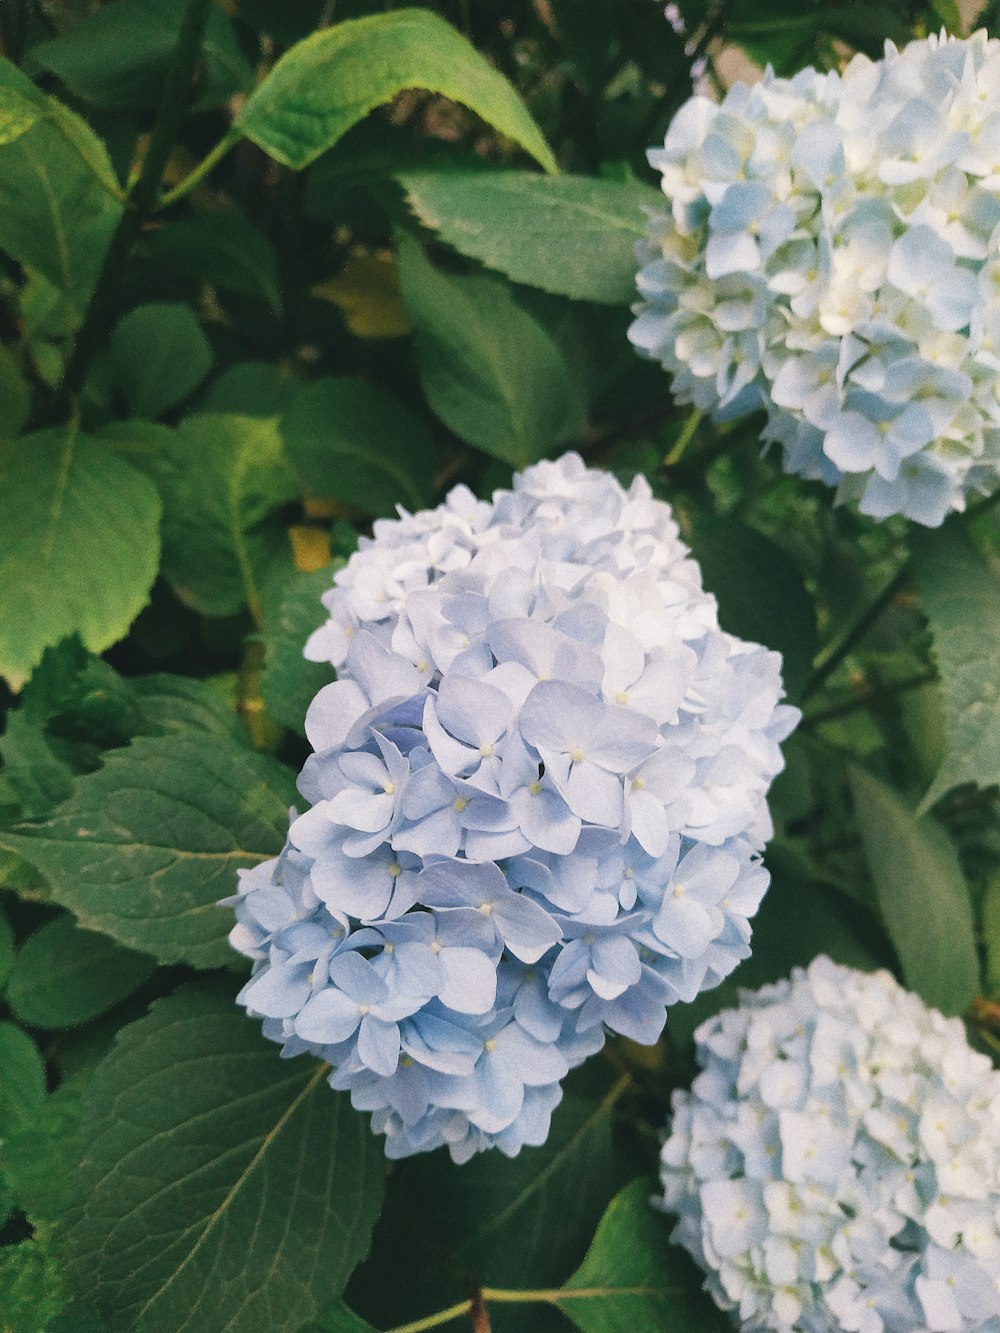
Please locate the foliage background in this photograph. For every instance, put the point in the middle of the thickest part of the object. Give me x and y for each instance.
(237, 326)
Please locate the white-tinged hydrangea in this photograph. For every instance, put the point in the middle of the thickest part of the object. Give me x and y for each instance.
(537, 802)
(836, 1165)
(831, 253)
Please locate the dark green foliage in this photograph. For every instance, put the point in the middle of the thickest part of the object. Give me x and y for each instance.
(286, 1178)
(267, 271)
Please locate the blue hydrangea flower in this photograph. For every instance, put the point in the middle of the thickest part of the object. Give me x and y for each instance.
(836, 1164)
(830, 253)
(537, 804)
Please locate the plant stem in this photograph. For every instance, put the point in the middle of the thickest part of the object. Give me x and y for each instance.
(204, 167)
(874, 694)
(505, 1296)
(435, 1320)
(856, 633)
(142, 197)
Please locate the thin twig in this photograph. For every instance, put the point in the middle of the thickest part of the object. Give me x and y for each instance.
(142, 198)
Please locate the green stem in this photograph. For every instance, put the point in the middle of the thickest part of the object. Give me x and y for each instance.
(683, 439)
(207, 164)
(873, 695)
(534, 1296)
(435, 1320)
(141, 200)
(855, 634)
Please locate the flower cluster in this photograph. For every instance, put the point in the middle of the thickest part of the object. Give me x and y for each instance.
(831, 253)
(836, 1165)
(537, 803)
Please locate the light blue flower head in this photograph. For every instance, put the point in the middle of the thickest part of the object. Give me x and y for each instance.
(836, 1164)
(831, 252)
(537, 801)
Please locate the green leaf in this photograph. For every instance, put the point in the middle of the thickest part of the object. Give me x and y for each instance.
(289, 683)
(572, 235)
(353, 442)
(117, 57)
(331, 80)
(22, 1088)
(339, 1319)
(633, 1279)
(79, 546)
(922, 894)
(59, 198)
(64, 975)
(178, 704)
(490, 371)
(760, 593)
(31, 773)
(146, 846)
(158, 355)
(521, 1222)
(17, 114)
(31, 1287)
(15, 397)
(38, 1156)
(220, 476)
(219, 1186)
(960, 596)
(223, 248)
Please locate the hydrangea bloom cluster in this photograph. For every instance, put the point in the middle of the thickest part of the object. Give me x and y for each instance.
(537, 803)
(831, 253)
(836, 1165)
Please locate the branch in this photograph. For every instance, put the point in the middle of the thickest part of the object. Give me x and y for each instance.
(142, 198)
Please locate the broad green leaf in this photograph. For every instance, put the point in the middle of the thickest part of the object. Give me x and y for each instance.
(222, 248)
(17, 114)
(6, 950)
(529, 1219)
(22, 1085)
(38, 1155)
(490, 371)
(15, 397)
(117, 57)
(77, 1318)
(991, 936)
(760, 593)
(158, 355)
(31, 1287)
(179, 704)
(353, 442)
(32, 774)
(572, 235)
(289, 683)
(340, 1319)
(220, 476)
(922, 894)
(512, 1223)
(64, 975)
(217, 1178)
(960, 595)
(79, 546)
(633, 1279)
(252, 389)
(331, 80)
(59, 199)
(146, 846)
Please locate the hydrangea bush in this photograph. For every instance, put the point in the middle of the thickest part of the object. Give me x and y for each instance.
(330, 479)
(836, 1164)
(537, 808)
(830, 254)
